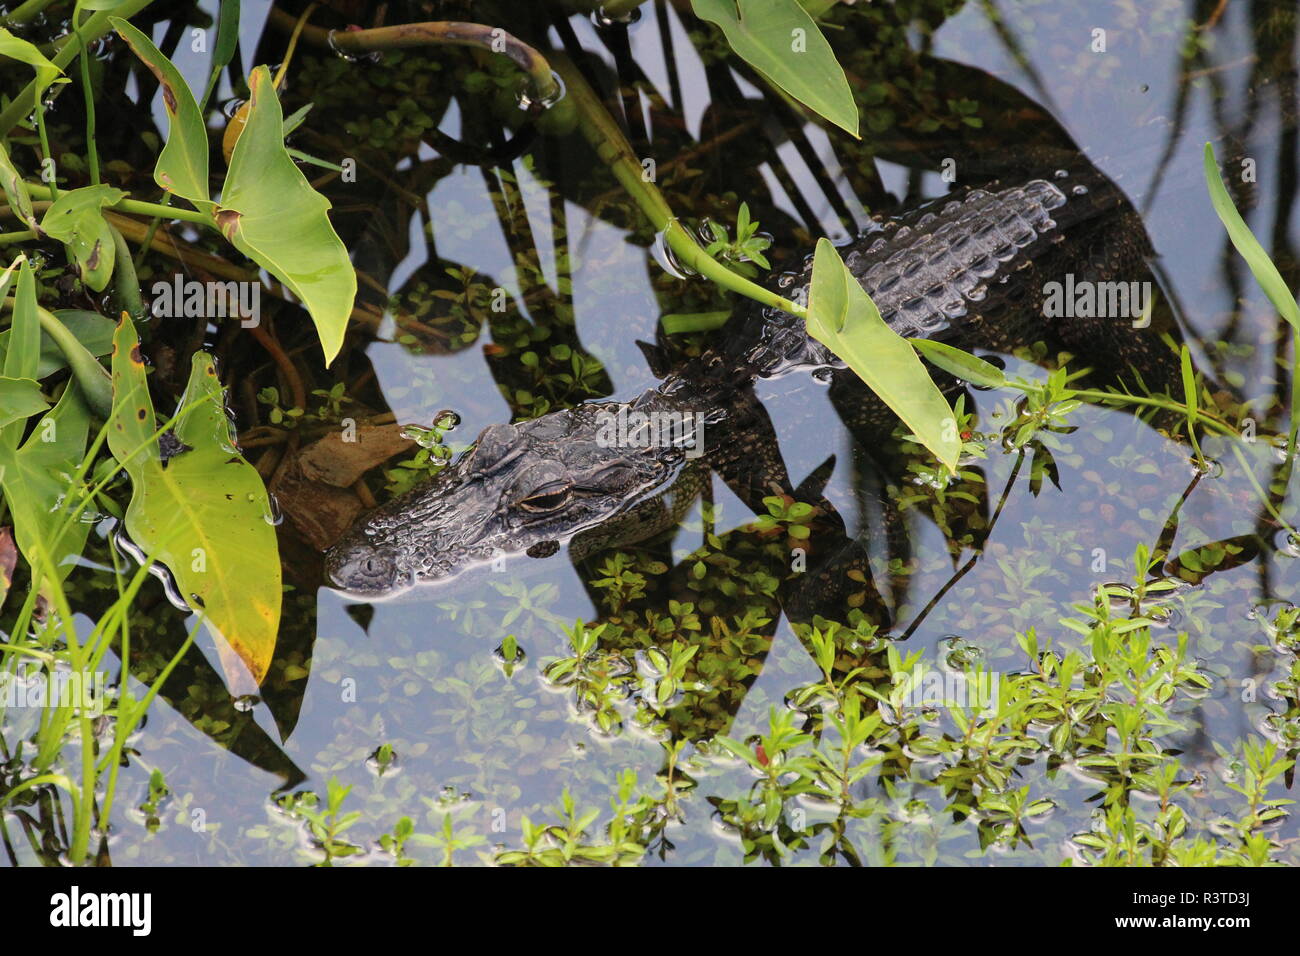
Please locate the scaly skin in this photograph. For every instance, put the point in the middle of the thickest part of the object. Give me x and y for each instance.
(968, 268)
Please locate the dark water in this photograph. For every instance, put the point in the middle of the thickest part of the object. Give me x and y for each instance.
(488, 744)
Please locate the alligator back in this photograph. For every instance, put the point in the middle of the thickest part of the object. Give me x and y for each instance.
(968, 268)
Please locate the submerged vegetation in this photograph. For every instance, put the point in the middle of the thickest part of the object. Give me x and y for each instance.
(326, 201)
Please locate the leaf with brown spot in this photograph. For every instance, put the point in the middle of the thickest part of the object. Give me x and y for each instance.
(206, 516)
(281, 223)
(76, 219)
(182, 167)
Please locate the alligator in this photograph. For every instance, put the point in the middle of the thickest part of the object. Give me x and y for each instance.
(970, 268)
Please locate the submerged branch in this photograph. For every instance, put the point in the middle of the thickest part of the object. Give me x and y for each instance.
(431, 33)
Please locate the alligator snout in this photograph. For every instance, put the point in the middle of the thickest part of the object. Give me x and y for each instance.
(363, 570)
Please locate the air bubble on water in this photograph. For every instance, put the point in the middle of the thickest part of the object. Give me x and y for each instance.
(604, 20)
(667, 260)
(1209, 467)
(1061, 174)
(245, 702)
(446, 420)
(1080, 190)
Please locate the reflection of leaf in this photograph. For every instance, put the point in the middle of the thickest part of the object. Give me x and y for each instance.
(76, 219)
(843, 318)
(780, 40)
(272, 215)
(20, 399)
(182, 166)
(203, 513)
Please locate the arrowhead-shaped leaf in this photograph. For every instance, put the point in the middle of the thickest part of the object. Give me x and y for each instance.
(76, 219)
(203, 513)
(182, 167)
(20, 399)
(272, 215)
(780, 40)
(843, 318)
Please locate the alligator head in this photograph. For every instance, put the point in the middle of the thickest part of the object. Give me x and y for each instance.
(522, 488)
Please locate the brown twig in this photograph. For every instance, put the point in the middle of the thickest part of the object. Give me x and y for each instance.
(432, 33)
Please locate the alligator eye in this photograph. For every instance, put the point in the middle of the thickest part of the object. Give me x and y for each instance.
(362, 570)
(548, 497)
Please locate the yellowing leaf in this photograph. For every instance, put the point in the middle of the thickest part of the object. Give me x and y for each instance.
(203, 513)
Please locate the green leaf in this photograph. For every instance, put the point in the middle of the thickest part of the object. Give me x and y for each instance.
(182, 167)
(1189, 384)
(90, 376)
(20, 399)
(18, 49)
(843, 318)
(76, 219)
(962, 364)
(272, 215)
(780, 40)
(36, 479)
(204, 514)
(15, 190)
(679, 322)
(1261, 266)
(24, 336)
(92, 330)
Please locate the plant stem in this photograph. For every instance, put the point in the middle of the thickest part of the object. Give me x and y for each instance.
(432, 33)
(615, 152)
(94, 28)
(92, 151)
(142, 208)
(26, 12)
(23, 235)
(125, 281)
